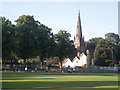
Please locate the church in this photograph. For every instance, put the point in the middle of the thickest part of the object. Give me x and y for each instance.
(79, 39)
(79, 44)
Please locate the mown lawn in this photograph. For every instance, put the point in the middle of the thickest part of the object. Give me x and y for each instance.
(57, 80)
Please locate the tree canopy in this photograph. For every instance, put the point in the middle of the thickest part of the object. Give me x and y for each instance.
(8, 40)
(65, 47)
(28, 39)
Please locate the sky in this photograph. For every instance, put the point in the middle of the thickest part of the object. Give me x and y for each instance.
(97, 18)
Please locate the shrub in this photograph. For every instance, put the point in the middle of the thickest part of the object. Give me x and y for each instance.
(116, 65)
(84, 65)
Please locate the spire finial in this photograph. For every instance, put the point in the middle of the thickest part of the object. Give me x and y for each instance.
(79, 14)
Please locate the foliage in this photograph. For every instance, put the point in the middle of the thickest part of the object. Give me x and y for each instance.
(84, 65)
(114, 46)
(116, 65)
(21, 61)
(8, 40)
(107, 49)
(29, 39)
(88, 59)
(45, 46)
(101, 54)
(53, 60)
(65, 47)
(26, 27)
(92, 43)
(112, 38)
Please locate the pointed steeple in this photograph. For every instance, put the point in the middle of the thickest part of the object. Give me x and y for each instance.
(79, 40)
(79, 28)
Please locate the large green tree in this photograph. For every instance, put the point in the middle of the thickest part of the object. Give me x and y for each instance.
(114, 46)
(91, 45)
(8, 39)
(26, 27)
(45, 43)
(102, 54)
(34, 39)
(112, 38)
(65, 47)
(8, 42)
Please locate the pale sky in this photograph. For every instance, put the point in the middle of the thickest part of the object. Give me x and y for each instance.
(97, 18)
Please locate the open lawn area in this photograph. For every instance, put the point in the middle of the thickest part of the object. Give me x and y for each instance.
(59, 81)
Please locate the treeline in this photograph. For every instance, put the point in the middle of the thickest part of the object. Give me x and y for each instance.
(104, 52)
(29, 39)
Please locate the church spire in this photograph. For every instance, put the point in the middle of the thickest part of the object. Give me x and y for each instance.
(79, 28)
(79, 40)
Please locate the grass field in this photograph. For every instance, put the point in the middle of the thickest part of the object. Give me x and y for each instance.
(56, 80)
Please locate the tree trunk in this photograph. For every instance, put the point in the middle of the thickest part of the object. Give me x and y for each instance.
(11, 65)
(24, 64)
(61, 66)
(41, 59)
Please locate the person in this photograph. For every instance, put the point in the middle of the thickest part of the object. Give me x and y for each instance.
(118, 68)
(25, 68)
(76, 69)
(62, 71)
(69, 70)
(73, 69)
(19, 69)
(35, 69)
(46, 69)
(81, 70)
(54, 69)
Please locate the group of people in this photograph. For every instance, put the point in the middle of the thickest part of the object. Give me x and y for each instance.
(47, 70)
(69, 70)
(74, 70)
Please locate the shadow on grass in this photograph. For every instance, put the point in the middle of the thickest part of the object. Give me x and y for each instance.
(68, 89)
(49, 85)
(26, 74)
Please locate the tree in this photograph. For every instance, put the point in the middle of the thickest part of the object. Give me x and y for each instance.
(26, 28)
(114, 46)
(8, 42)
(112, 38)
(45, 43)
(53, 61)
(72, 51)
(91, 45)
(102, 55)
(88, 59)
(65, 47)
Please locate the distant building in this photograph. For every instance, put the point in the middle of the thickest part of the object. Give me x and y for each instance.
(79, 39)
(79, 62)
(81, 58)
(76, 62)
(79, 45)
(67, 63)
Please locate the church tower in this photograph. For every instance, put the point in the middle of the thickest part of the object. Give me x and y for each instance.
(79, 40)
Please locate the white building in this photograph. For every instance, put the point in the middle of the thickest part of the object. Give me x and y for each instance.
(80, 47)
(67, 63)
(77, 62)
(83, 59)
